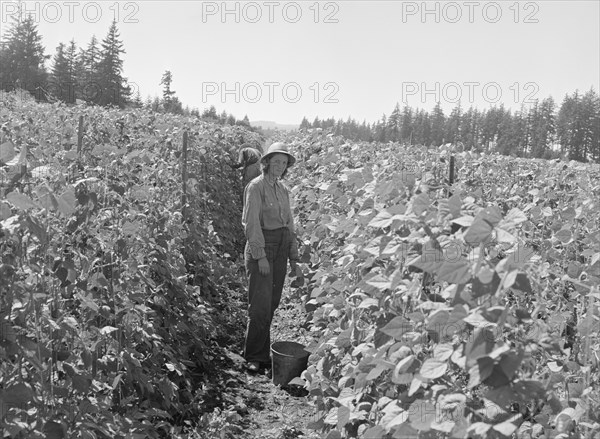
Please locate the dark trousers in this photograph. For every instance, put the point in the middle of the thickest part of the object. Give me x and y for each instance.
(264, 293)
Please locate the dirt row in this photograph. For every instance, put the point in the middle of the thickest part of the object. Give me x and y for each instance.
(251, 406)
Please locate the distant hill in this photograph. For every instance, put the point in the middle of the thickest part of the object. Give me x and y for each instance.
(270, 125)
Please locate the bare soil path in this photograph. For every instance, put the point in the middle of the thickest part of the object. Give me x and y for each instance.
(251, 406)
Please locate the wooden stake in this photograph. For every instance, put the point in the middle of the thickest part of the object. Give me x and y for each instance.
(80, 135)
(451, 176)
(184, 173)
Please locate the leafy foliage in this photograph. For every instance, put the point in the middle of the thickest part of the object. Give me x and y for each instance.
(109, 284)
(468, 310)
(462, 311)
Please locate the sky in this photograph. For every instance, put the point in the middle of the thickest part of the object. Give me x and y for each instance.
(283, 60)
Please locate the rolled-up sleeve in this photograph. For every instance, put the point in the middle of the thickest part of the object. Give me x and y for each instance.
(251, 221)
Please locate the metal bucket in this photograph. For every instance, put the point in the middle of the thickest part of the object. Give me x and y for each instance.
(289, 359)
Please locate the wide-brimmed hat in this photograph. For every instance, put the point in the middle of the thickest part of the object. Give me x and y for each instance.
(279, 148)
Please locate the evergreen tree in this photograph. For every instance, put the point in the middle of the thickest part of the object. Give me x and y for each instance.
(72, 61)
(22, 58)
(348, 128)
(60, 79)
(543, 129)
(492, 119)
(438, 121)
(110, 68)
(305, 124)
(223, 118)
(422, 129)
(176, 106)
(363, 131)
(592, 112)
(511, 135)
(168, 94)
(563, 122)
(156, 104)
(328, 123)
(63, 76)
(530, 116)
(137, 100)
(394, 124)
(427, 129)
(453, 127)
(80, 73)
(339, 126)
(470, 128)
(568, 127)
(589, 116)
(245, 122)
(210, 114)
(407, 121)
(88, 76)
(381, 134)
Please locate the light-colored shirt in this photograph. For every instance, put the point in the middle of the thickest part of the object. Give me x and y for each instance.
(267, 206)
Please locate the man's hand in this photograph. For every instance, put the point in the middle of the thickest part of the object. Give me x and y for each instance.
(263, 266)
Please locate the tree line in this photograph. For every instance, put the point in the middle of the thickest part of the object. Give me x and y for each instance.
(91, 75)
(94, 75)
(543, 130)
